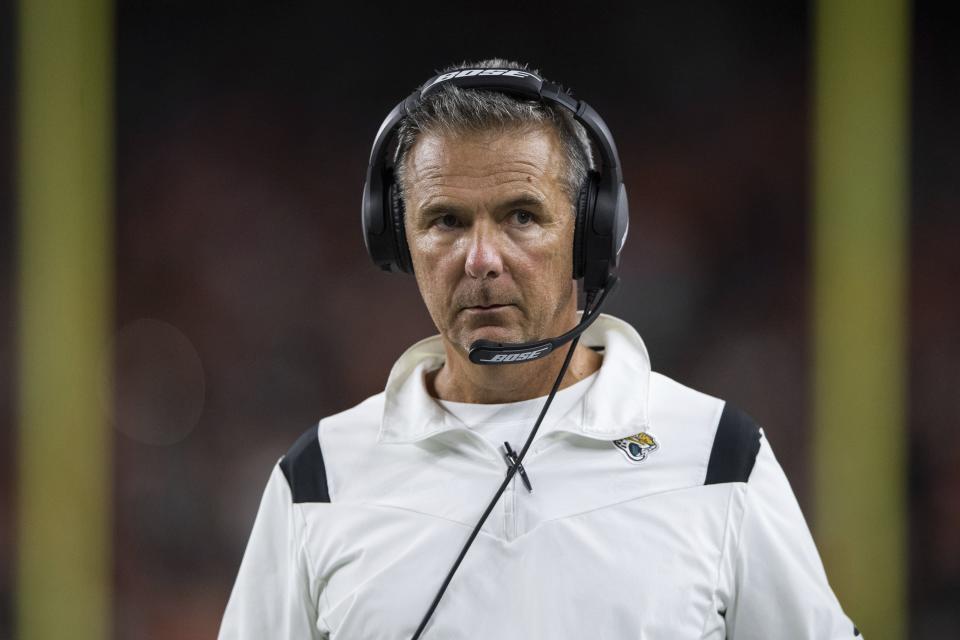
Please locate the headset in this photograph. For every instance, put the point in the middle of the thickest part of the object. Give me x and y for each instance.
(602, 222)
(602, 212)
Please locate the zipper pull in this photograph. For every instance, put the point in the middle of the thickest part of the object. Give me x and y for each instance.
(512, 461)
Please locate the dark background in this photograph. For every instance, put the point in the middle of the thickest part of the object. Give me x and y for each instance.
(247, 308)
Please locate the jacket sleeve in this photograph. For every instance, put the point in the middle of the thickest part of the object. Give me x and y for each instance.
(271, 597)
(781, 589)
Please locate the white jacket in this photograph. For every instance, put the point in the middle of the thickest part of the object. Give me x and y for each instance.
(688, 530)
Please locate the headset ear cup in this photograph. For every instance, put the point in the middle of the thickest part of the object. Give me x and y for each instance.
(399, 232)
(586, 199)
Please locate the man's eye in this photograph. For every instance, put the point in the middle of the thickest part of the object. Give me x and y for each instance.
(448, 221)
(522, 217)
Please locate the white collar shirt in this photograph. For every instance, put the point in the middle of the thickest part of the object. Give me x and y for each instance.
(512, 421)
(658, 512)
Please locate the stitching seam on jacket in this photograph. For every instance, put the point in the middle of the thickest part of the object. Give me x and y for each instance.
(735, 587)
(723, 551)
(302, 543)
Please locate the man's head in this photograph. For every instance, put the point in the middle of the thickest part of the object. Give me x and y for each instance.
(489, 184)
(456, 110)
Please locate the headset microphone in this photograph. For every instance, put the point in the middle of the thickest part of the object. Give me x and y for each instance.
(489, 352)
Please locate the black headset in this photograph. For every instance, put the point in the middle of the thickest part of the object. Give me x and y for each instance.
(602, 212)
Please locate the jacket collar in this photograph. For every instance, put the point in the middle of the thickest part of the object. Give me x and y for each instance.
(615, 405)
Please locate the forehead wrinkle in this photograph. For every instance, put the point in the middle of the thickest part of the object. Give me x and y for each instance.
(433, 151)
(527, 193)
(496, 187)
(441, 167)
(440, 170)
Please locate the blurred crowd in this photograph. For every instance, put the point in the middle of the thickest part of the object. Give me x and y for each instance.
(247, 308)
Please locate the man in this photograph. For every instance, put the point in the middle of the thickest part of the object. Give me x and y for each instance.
(641, 509)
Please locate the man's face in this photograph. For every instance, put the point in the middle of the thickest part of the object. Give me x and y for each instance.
(490, 231)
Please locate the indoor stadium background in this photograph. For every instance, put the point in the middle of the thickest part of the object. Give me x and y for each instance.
(180, 195)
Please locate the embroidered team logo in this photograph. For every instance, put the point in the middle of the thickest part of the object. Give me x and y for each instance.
(638, 446)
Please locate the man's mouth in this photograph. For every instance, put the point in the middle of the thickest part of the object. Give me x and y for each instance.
(486, 307)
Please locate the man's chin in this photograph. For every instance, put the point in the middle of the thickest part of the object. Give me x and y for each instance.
(491, 333)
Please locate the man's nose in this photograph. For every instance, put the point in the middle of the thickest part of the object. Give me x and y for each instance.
(483, 254)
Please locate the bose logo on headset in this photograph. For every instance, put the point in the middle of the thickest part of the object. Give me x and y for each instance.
(519, 357)
(466, 73)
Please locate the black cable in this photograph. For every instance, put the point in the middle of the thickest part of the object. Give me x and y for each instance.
(511, 471)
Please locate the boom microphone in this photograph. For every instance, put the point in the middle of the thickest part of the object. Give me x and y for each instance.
(489, 352)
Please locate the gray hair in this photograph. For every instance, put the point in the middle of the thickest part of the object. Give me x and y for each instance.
(453, 110)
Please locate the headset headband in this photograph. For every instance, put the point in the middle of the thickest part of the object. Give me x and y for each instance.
(517, 82)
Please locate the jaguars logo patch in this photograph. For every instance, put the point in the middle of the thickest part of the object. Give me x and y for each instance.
(638, 446)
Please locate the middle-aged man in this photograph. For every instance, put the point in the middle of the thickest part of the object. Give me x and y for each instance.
(640, 508)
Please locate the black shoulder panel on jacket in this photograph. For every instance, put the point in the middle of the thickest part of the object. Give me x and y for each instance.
(735, 447)
(303, 468)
